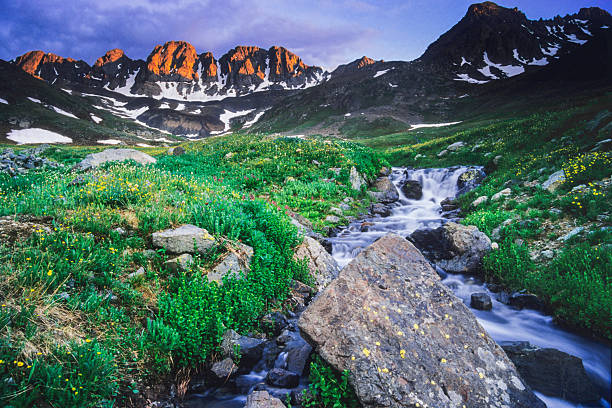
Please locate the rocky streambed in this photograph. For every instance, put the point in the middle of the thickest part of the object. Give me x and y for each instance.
(408, 334)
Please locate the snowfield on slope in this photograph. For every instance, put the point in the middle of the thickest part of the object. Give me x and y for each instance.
(35, 136)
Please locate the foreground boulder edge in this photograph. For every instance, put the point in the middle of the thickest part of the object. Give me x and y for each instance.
(93, 160)
(406, 339)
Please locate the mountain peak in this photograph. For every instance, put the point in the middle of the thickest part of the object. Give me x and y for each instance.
(175, 59)
(587, 13)
(110, 56)
(488, 9)
(364, 61)
(32, 61)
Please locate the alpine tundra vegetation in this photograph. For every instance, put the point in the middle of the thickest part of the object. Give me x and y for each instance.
(253, 231)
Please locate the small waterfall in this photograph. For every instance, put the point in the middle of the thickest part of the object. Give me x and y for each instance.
(503, 323)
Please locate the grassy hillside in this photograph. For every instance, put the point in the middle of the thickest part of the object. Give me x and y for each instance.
(573, 276)
(77, 330)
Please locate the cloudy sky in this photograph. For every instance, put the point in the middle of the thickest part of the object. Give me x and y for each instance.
(322, 32)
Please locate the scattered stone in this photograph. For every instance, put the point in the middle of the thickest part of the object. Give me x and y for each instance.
(223, 370)
(149, 253)
(236, 261)
(496, 160)
(274, 322)
(229, 155)
(494, 245)
(504, 193)
(443, 153)
(139, 272)
(552, 372)
(332, 219)
(571, 234)
(449, 204)
(417, 355)
(17, 228)
(261, 399)
(298, 357)
(455, 146)
(525, 301)
(119, 231)
(386, 192)
(479, 200)
(337, 211)
(176, 151)
(321, 264)
(548, 254)
(555, 181)
(555, 211)
(380, 209)
(14, 164)
(469, 180)
(481, 301)
(245, 349)
(184, 239)
(356, 179)
(412, 189)
(94, 160)
(179, 264)
(384, 171)
(282, 378)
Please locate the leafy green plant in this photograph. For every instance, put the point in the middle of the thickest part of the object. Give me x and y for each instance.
(328, 389)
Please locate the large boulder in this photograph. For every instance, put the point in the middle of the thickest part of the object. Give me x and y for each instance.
(261, 399)
(321, 264)
(412, 189)
(237, 260)
(406, 339)
(386, 192)
(552, 372)
(453, 247)
(554, 181)
(184, 239)
(93, 160)
(469, 180)
(247, 350)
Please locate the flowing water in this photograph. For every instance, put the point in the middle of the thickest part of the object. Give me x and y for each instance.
(503, 323)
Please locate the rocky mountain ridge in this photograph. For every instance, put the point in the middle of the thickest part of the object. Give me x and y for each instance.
(175, 70)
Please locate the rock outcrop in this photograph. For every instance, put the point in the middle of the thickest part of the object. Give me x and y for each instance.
(453, 247)
(236, 261)
(93, 160)
(186, 239)
(322, 266)
(406, 339)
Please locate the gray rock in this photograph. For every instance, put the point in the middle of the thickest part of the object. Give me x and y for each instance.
(184, 239)
(553, 372)
(245, 349)
(282, 378)
(380, 209)
(261, 399)
(237, 260)
(571, 234)
(406, 339)
(455, 146)
(223, 370)
(504, 193)
(469, 180)
(555, 181)
(525, 301)
(453, 247)
(139, 272)
(443, 153)
(356, 179)
(93, 160)
(412, 189)
(179, 264)
(321, 264)
(119, 231)
(497, 159)
(481, 301)
(176, 151)
(298, 357)
(337, 211)
(547, 254)
(479, 200)
(332, 219)
(386, 192)
(274, 322)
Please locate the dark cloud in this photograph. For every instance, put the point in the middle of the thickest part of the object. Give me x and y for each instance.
(86, 29)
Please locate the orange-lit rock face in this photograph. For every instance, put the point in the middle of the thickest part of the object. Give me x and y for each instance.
(174, 57)
(242, 53)
(283, 62)
(109, 57)
(209, 65)
(365, 61)
(31, 61)
(245, 61)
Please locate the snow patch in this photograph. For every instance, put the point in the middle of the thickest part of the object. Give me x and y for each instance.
(464, 96)
(467, 78)
(3, 101)
(605, 26)
(509, 70)
(383, 72)
(109, 141)
(68, 91)
(129, 83)
(574, 39)
(143, 145)
(34, 100)
(95, 118)
(227, 116)
(63, 112)
(35, 136)
(551, 51)
(254, 120)
(392, 86)
(346, 115)
(464, 61)
(431, 125)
